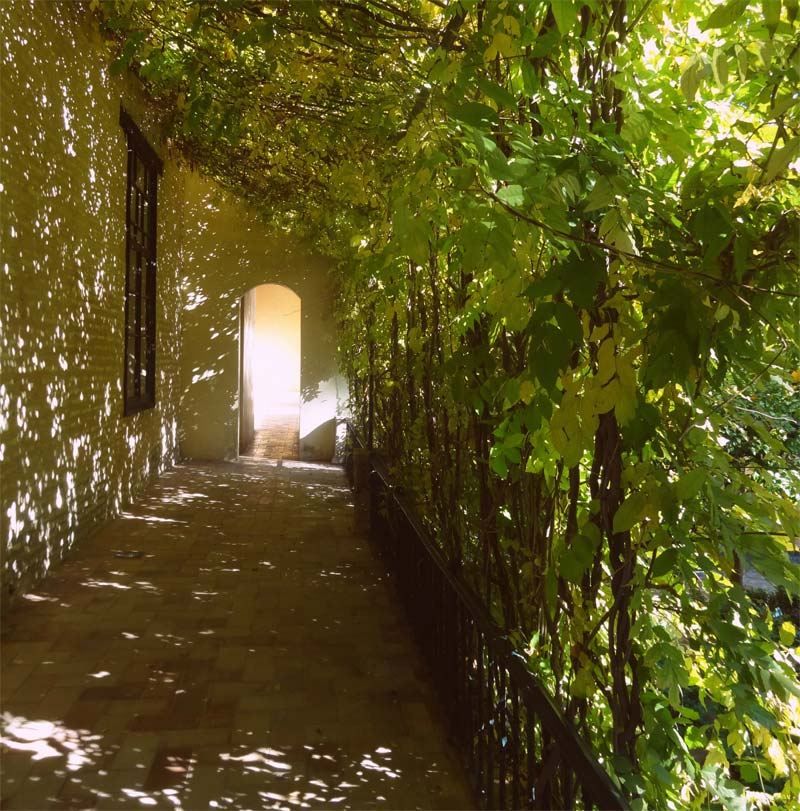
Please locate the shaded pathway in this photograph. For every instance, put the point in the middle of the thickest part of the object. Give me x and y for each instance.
(251, 658)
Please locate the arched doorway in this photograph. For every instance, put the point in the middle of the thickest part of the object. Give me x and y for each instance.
(269, 381)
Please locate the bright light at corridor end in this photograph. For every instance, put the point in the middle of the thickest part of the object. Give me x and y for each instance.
(276, 352)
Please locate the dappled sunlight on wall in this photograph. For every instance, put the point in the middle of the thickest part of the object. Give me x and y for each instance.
(68, 457)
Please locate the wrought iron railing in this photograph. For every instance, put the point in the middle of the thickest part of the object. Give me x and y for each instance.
(520, 750)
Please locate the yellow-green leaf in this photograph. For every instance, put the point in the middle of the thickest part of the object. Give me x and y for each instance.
(630, 512)
(625, 407)
(719, 65)
(606, 368)
(690, 79)
(787, 633)
(526, 391)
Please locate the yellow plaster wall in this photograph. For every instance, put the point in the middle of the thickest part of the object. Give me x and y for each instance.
(68, 456)
(227, 254)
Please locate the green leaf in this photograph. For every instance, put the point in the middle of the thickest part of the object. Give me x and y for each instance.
(128, 52)
(568, 322)
(780, 159)
(549, 353)
(713, 227)
(581, 276)
(513, 440)
(546, 286)
(690, 484)
(625, 407)
(755, 711)
(772, 14)
(546, 42)
(498, 94)
(748, 772)
(413, 234)
(497, 461)
(630, 512)
(512, 195)
(583, 685)
(719, 65)
(601, 195)
(606, 367)
(782, 104)
(477, 115)
(512, 392)
(565, 13)
(530, 80)
(665, 562)
(690, 79)
(742, 61)
(636, 128)
(577, 558)
(725, 15)
(496, 161)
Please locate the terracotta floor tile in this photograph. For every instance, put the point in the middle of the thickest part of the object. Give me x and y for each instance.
(135, 751)
(171, 768)
(34, 794)
(74, 794)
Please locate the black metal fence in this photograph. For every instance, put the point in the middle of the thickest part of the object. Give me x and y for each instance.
(521, 752)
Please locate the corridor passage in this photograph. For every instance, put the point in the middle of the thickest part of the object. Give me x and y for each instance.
(252, 657)
(277, 437)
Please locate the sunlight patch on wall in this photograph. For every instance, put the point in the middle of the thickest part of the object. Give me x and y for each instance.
(69, 458)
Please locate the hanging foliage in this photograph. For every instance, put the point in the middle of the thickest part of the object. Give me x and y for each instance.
(567, 237)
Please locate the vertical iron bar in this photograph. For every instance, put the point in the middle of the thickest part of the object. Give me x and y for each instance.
(515, 749)
(481, 726)
(490, 730)
(547, 786)
(469, 719)
(530, 729)
(502, 735)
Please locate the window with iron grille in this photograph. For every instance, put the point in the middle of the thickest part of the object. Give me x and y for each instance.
(144, 166)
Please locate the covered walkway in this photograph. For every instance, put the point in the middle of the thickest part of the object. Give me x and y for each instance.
(250, 657)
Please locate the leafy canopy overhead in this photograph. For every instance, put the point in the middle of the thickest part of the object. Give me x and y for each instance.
(567, 236)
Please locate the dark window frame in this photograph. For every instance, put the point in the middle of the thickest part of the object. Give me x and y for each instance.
(141, 220)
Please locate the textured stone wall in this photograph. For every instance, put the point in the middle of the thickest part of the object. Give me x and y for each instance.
(68, 456)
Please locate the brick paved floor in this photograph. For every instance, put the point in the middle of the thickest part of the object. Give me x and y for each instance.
(252, 658)
(277, 437)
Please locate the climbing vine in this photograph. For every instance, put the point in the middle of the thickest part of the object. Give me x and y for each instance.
(567, 245)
